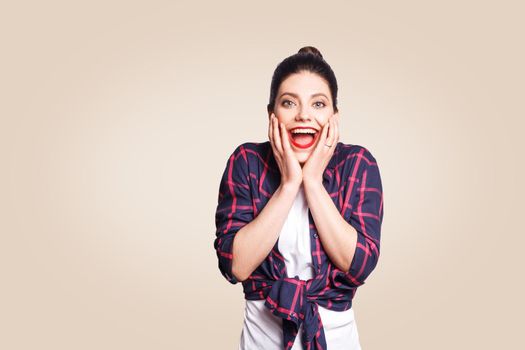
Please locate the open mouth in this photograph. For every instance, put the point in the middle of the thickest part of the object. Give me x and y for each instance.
(303, 137)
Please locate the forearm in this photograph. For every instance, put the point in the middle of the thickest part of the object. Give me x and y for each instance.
(255, 240)
(338, 237)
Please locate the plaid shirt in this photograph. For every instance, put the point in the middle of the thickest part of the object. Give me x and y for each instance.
(353, 181)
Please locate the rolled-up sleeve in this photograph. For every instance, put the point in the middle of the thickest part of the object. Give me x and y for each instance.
(234, 209)
(366, 218)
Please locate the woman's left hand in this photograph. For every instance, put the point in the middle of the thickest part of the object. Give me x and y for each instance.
(315, 166)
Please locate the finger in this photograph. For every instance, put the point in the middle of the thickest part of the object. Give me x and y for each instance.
(287, 148)
(270, 123)
(270, 130)
(277, 137)
(272, 137)
(322, 139)
(336, 140)
(331, 132)
(324, 133)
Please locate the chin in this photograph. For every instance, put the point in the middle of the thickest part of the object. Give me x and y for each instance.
(302, 157)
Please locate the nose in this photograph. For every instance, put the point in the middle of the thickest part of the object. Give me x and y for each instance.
(303, 115)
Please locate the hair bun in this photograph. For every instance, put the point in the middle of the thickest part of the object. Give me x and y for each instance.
(310, 50)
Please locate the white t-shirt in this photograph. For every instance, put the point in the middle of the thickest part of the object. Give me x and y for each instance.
(262, 329)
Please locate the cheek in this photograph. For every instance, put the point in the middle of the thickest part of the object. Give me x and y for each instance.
(284, 114)
(280, 120)
(323, 119)
(302, 156)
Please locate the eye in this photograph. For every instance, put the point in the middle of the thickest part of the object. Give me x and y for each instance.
(287, 103)
(322, 104)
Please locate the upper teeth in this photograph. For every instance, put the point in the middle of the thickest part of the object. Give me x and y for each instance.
(303, 131)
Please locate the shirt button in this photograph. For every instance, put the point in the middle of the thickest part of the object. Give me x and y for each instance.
(315, 235)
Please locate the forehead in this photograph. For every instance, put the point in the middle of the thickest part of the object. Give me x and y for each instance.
(304, 83)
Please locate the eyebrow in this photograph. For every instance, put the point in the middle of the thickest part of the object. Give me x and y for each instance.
(296, 96)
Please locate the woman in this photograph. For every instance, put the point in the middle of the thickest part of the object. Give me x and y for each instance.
(299, 217)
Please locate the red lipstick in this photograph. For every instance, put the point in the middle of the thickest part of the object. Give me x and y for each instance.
(305, 146)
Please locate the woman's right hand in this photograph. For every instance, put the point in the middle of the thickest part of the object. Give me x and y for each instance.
(289, 166)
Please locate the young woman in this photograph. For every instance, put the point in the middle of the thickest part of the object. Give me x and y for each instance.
(299, 217)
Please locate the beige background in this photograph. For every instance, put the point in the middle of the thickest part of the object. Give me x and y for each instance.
(117, 119)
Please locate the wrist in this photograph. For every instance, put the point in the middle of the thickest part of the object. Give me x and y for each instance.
(291, 187)
(311, 182)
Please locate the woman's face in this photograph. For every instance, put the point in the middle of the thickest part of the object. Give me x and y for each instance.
(303, 102)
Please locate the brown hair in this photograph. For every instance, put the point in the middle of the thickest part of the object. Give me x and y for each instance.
(308, 58)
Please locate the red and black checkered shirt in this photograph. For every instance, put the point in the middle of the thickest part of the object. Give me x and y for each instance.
(353, 181)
